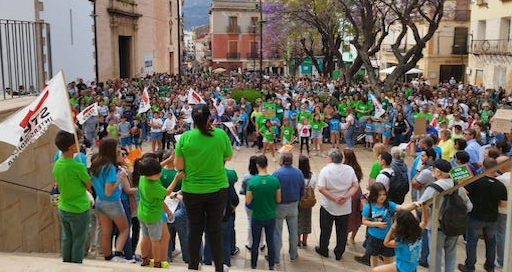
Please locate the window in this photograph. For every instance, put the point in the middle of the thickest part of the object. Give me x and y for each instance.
(460, 41)
(233, 47)
(254, 21)
(233, 21)
(482, 25)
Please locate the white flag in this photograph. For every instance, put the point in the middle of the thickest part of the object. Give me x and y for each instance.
(379, 111)
(231, 127)
(194, 98)
(144, 104)
(27, 125)
(87, 113)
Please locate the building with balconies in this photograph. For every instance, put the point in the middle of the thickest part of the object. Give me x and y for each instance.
(445, 54)
(490, 45)
(234, 37)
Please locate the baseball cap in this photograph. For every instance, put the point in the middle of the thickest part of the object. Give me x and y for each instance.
(442, 165)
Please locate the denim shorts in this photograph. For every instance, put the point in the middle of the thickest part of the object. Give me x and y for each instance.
(316, 134)
(126, 141)
(154, 231)
(156, 135)
(375, 247)
(112, 209)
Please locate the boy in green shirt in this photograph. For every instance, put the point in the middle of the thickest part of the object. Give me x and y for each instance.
(263, 194)
(151, 207)
(73, 181)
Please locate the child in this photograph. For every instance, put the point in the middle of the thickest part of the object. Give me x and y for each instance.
(369, 130)
(405, 237)
(112, 129)
(244, 121)
(135, 132)
(287, 132)
(156, 125)
(268, 138)
(304, 134)
(377, 215)
(343, 127)
(386, 131)
(317, 125)
(334, 126)
(236, 120)
(150, 209)
(74, 206)
(123, 129)
(102, 127)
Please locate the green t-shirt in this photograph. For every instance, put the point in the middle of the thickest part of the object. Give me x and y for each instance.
(302, 115)
(71, 176)
(112, 129)
(167, 178)
(263, 190)
(73, 101)
(317, 125)
(375, 170)
(260, 121)
(152, 195)
(427, 116)
(342, 108)
(279, 112)
(204, 160)
(287, 132)
(232, 176)
(268, 134)
(363, 107)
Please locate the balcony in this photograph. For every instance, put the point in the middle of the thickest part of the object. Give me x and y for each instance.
(459, 50)
(253, 55)
(233, 55)
(252, 29)
(491, 47)
(208, 54)
(233, 29)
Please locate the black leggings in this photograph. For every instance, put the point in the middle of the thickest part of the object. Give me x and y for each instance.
(304, 141)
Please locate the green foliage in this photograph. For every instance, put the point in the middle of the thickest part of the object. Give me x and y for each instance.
(250, 94)
(358, 77)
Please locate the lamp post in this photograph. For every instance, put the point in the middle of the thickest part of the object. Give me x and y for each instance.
(253, 49)
(261, 46)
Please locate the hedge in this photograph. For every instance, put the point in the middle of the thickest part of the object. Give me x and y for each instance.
(250, 94)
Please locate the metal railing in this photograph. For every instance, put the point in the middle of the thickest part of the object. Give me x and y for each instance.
(435, 216)
(491, 47)
(25, 57)
(233, 29)
(233, 55)
(253, 55)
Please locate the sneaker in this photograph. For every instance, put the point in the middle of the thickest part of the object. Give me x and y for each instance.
(263, 247)
(164, 264)
(363, 259)
(117, 259)
(248, 247)
(323, 155)
(225, 268)
(463, 268)
(422, 263)
(235, 252)
(131, 260)
(237, 148)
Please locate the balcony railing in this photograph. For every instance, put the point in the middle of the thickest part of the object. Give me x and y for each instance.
(491, 47)
(233, 29)
(208, 54)
(233, 55)
(459, 50)
(253, 55)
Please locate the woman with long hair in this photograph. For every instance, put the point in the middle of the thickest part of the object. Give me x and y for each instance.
(253, 171)
(355, 219)
(304, 218)
(201, 154)
(108, 180)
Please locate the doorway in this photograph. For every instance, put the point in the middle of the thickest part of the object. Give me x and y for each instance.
(448, 71)
(125, 49)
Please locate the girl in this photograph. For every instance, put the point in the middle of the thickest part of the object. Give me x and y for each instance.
(268, 138)
(334, 126)
(317, 125)
(287, 132)
(304, 218)
(405, 237)
(354, 219)
(304, 133)
(377, 215)
(386, 131)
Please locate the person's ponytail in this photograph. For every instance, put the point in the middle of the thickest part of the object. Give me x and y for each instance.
(201, 117)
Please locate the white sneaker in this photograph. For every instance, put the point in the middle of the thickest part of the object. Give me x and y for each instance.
(117, 259)
(225, 268)
(237, 148)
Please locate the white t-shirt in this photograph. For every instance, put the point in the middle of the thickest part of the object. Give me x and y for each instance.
(337, 178)
(156, 121)
(311, 182)
(383, 178)
(169, 124)
(304, 130)
(505, 179)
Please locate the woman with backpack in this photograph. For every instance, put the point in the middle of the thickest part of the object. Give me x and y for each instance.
(304, 218)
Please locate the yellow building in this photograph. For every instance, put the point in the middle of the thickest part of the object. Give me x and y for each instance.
(490, 46)
(445, 54)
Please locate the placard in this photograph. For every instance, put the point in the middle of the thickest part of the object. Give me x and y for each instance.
(461, 173)
(500, 122)
(270, 109)
(420, 126)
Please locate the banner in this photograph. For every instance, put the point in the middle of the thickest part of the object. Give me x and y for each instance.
(270, 109)
(145, 105)
(379, 111)
(28, 124)
(231, 127)
(194, 98)
(87, 113)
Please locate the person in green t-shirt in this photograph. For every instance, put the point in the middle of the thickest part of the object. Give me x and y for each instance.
(268, 138)
(317, 126)
(287, 132)
(201, 153)
(424, 113)
(150, 210)
(263, 194)
(376, 168)
(73, 182)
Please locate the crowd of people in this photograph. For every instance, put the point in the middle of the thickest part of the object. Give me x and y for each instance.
(190, 145)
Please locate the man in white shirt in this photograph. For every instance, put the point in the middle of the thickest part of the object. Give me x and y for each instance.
(337, 183)
(167, 130)
(385, 163)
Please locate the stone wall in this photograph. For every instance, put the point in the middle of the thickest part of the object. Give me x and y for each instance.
(28, 222)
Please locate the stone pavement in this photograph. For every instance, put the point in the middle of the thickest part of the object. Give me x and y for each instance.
(307, 261)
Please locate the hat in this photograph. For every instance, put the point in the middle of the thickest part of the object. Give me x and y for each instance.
(442, 165)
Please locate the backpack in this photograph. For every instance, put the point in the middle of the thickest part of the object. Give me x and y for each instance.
(308, 200)
(453, 213)
(398, 185)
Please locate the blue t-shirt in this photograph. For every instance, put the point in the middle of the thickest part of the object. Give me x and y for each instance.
(244, 119)
(387, 128)
(334, 124)
(381, 214)
(407, 256)
(79, 158)
(371, 128)
(106, 176)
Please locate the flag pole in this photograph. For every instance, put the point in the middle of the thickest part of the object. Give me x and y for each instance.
(75, 133)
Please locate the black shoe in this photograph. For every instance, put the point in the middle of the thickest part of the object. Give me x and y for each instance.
(263, 247)
(424, 264)
(236, 251)
(248, 247)
(317, 249)
(365, 259)
(463, 268)
(338, 257)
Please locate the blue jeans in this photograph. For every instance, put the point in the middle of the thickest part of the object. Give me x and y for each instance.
(472, 230)
(399, 138)
(501, 229)
(75, 227)
(448, 244)
(256, 227)
(290, 212)
(180, 227)
(424, 247)
(349, 136)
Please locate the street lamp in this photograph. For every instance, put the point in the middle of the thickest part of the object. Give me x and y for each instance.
(260, 6)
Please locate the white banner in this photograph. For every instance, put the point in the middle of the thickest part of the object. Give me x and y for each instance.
(194, 98)
(28, 124)
(87, 113)
(231, 127)
(145, 105)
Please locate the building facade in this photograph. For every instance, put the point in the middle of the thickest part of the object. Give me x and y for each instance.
(445, 54)
(235, 37)
(490, 59)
